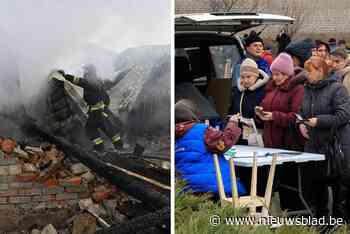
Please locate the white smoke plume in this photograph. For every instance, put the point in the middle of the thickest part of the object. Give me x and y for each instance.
(40, 35)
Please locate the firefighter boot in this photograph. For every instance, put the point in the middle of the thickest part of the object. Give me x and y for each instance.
(117, 142)
(99, 148)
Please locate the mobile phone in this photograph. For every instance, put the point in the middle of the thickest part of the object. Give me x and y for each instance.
(299, 117)
(259, 109)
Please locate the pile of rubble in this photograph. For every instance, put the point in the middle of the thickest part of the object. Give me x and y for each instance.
(41, 179)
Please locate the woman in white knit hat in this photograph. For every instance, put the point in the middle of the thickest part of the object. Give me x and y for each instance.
(248, 94)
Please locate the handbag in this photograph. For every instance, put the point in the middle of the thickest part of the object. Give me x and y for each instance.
(335, 156)
(254, 138)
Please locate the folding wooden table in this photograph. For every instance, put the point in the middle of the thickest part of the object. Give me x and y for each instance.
(251, 156)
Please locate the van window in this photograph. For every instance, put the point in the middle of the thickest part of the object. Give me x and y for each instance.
(223, 57)
(198, 62)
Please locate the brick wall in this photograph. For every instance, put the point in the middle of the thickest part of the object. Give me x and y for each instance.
(19, 189)
(330, 16)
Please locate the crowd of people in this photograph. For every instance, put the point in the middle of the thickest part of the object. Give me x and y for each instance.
(300, 101)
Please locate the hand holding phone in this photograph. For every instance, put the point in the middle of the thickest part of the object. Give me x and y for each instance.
(300, 119)
(259, 110)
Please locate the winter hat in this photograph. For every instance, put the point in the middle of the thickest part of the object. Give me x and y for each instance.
(332, 41)
(301, 49)
(251, 38)
(340, 52)
(249, 67)
(284, 64)
(186, 110)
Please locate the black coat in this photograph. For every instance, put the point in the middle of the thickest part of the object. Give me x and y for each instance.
(329, 102)
(245, 100)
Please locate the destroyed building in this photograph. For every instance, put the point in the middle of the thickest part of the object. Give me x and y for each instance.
(50, 179)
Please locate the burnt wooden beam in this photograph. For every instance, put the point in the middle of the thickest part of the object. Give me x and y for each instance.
(155, 222)
(152, 197)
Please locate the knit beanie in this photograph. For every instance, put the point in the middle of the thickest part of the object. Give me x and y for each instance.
(185, 110)
(340, 52)
(251, 38)
(284, 64)
(249, 67)
(301, 49)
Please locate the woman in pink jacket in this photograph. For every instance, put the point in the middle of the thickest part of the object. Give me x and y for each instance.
(284, 96)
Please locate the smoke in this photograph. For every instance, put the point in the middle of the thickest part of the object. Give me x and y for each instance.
(40, 35)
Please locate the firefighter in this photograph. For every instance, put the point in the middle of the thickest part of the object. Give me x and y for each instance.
(97, 100)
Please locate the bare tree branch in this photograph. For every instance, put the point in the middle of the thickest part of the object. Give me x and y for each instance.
(230, 5)
(297, 10)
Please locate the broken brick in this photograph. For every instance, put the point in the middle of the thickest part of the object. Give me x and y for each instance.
(88, 177)
(79, 168)
(21, 153)
(53, 154)
(100, 188)
(41, 205)
(49, 229)
(26, 177)
(28, 167)
(50, 183)
(35, 150)
(85, 203)
(71, 181)
(35, 231)
(84, 224)
(76, 188)
(15, 170)
(100, 196)
(84, 195)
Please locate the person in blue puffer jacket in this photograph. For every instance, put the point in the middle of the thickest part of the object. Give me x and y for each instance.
(254, 46)
(194, 147)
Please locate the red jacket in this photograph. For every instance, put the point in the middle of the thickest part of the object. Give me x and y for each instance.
(283, 101)
(268, 57)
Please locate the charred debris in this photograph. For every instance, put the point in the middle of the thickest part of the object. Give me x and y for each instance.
(52, 182)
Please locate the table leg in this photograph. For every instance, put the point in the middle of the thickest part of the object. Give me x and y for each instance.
(300, 192)
(268, 191)
(252, 207)
(219, 179)
(233, 184)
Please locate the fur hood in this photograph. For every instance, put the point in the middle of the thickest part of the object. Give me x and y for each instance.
(261, 81)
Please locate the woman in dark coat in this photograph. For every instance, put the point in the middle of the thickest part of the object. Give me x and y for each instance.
(248, 94)
(326, 105)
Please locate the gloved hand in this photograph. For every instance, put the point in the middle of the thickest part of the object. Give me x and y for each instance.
(56, 75)
(61, 72)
